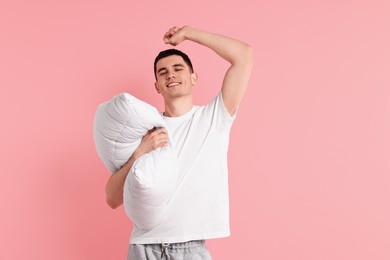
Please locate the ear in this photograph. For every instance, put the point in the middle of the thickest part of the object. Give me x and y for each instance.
(194, 78)
(157, 88)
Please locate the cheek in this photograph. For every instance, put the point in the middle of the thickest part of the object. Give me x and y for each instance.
(159, 83)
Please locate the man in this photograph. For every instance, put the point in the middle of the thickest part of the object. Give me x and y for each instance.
(199, 207)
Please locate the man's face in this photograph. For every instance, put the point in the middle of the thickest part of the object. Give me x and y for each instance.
(174, 78)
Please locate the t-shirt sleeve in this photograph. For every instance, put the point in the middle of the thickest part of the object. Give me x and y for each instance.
(221, 118)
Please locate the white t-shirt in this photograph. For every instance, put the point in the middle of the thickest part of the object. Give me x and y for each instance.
(199, 207)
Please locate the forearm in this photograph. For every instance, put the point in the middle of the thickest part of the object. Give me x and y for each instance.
(232, 50)
(114, 189)
(237, 53)
(115, 184)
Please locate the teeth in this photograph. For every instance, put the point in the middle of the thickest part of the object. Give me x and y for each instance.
(173, 84)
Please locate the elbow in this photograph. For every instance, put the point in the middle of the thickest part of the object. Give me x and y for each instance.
(112, 203)
(113, 200)
(245, 56)
(249, 54)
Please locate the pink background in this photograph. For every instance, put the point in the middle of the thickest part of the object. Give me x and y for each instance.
(310, 149)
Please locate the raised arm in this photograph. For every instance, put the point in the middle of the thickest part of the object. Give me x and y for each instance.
(237, 53)
(114, 187)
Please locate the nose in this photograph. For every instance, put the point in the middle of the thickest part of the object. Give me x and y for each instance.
(171, 75)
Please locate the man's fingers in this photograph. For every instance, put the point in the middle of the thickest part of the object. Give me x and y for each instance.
(161, 131)
(160, 136)
(160, 140)
(169, 34)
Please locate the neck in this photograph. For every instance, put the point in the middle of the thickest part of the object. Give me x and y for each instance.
(178, 107)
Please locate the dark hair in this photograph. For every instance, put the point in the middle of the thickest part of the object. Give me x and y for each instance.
(171, 52)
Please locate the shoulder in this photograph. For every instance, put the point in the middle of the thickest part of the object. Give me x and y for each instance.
(215, 113)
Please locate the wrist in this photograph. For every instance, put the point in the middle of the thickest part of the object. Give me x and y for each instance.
(136, 154)
(188, 32)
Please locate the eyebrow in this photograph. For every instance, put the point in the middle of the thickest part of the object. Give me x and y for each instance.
(175, 66)
(178, 65)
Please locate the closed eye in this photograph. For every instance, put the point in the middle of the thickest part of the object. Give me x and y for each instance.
(178, 67)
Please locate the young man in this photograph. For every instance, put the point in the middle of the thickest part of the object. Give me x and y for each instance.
(199, 207)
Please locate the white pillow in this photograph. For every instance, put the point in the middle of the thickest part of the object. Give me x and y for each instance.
(119, 126)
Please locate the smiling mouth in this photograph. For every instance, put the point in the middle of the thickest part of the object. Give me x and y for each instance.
(173, 84)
